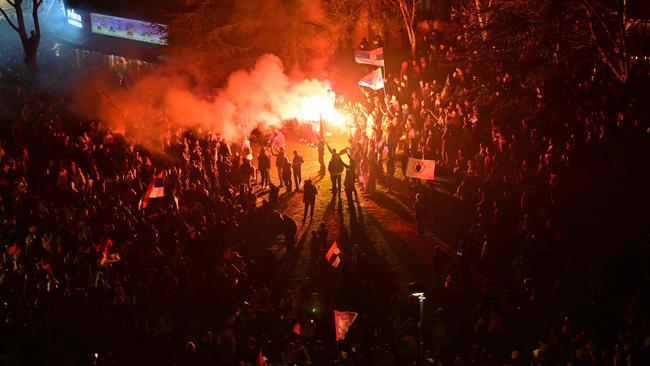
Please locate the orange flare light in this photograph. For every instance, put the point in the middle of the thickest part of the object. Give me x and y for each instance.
(315, 107)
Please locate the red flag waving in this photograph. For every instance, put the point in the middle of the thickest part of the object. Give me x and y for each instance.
(342, 322)
(104, 245)
(260, 358)
(156, 189)
(333, 255)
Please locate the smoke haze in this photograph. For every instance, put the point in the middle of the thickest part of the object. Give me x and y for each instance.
(181, 92)
(261, 97)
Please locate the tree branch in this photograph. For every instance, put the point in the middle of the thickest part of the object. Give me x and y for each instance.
(37, 25)
(606, 58)
(11, 24)
(592, 14)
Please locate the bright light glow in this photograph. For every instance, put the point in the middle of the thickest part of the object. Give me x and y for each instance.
(76, 23)
(309, 101)
(314, 107)
(135, 30)
(74, 18)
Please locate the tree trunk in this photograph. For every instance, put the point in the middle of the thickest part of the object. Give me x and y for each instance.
(407, 10)
(413, 42)
(30, 42)
(32, 63)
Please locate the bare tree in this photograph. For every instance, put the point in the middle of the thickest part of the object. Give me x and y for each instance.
(554, 53)
(221, 36)
(407, 9)
(30, 42)
(482, 15)
(346, 14)
(609, 29)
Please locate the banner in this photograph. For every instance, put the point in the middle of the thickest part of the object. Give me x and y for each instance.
(421, 168)
(374, 80)
(332, 255)
(371, 57)
(296, 329)
(156, 189)
(342, 322)
(261, 360)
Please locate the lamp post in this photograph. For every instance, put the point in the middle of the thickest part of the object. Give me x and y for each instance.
(417, 291)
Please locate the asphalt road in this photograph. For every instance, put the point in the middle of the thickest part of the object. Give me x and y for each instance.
(381, 224)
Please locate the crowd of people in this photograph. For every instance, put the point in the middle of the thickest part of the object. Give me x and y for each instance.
(546, 201)
(552, 268)
(90, 276)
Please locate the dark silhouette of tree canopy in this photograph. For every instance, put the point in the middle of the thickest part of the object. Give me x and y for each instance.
(609, 27)
(407, 10)
(29, 41)
(222, 36)
(549, 48)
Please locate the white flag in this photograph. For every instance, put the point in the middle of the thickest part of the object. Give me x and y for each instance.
(421, 168)
(374, 80)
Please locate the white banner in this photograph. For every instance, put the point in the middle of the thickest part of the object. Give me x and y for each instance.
(421, 168)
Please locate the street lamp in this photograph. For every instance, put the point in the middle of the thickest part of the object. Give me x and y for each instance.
(417, 290)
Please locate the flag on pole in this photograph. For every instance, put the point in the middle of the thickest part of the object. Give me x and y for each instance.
(104, 245)
(421, 168)
(156, 189)
(260, 358)
(374, 80)
(342, 322)
(333, 255)
(371, 57)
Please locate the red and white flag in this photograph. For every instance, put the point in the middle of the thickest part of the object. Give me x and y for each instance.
(103, 247)
(156, 189)
(370, 57)
(333, 255)
(374, 80)
(342, 322)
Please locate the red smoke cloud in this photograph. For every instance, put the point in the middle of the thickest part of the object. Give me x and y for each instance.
(262, 97)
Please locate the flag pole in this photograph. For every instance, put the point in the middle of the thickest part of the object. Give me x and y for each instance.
(384, 78)
(384, 89)
(336, 338)
(338, 353)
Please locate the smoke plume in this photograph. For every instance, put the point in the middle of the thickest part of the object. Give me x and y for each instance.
(262, 97)
(262, 94)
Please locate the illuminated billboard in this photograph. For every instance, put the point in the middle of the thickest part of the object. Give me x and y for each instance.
(135, 30)
(74, 18)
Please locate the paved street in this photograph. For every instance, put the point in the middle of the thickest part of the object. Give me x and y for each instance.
(382, 224)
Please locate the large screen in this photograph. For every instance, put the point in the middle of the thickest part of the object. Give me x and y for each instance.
(136, 30)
